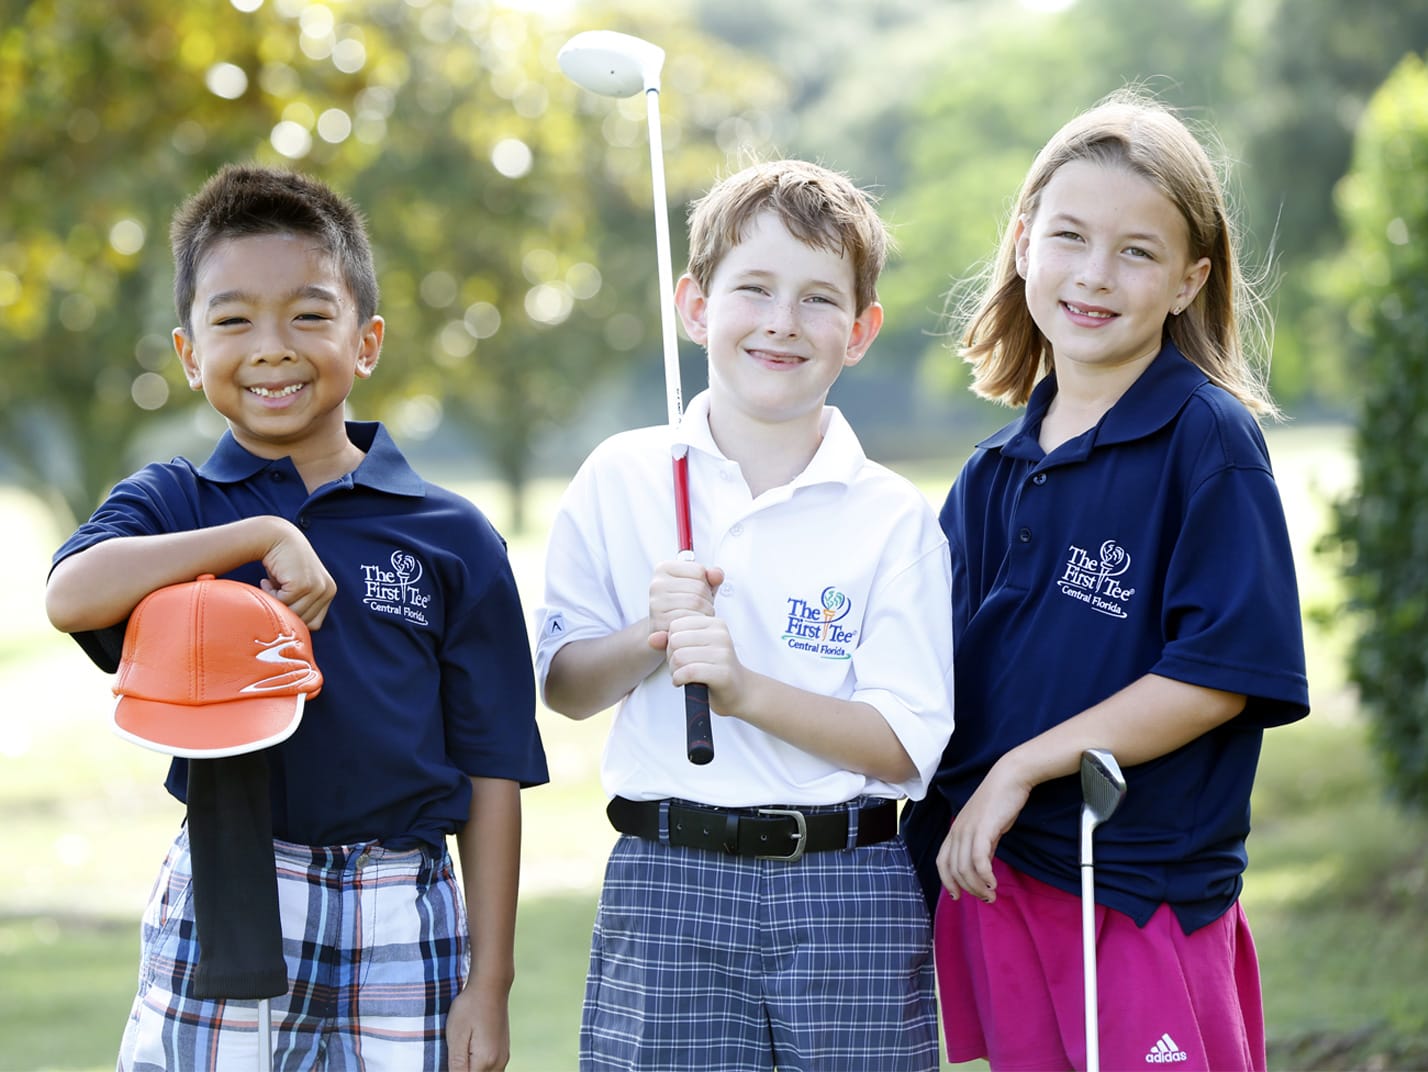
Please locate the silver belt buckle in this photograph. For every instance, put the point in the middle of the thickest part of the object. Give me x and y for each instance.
(800, 839)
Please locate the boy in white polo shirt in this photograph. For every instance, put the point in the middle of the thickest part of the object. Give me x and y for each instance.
(761, 909)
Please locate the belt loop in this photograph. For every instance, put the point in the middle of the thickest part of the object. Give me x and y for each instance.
(664, 821)
(854, 810)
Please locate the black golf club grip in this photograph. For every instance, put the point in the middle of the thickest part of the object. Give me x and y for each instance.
(698, 735)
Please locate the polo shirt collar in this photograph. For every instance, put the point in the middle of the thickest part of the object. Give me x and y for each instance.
(383, 469)
(838, 459)
(1148, 405)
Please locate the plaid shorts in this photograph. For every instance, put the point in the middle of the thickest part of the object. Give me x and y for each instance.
(706, 961)
(376, 949)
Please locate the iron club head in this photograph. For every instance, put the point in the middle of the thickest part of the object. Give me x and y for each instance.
(1102, 785)
(611, 64)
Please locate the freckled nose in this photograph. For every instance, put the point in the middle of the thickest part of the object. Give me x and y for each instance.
(1094, 272)
(782, 320)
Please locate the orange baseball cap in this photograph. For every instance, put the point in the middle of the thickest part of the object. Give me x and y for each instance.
(213, 668)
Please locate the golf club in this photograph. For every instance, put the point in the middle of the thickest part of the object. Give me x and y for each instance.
(618, 65)
(1102, 790)
(265, 1035)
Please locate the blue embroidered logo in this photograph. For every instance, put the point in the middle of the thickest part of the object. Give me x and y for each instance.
(813, 625)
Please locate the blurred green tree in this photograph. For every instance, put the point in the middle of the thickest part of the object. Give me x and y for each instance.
(1317, 64)
(1281, 82)
(509, 210)
(1383, 279)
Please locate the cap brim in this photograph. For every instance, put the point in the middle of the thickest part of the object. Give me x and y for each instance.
(208, 731)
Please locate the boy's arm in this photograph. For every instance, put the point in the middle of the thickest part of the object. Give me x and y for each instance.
(100, 586)
(590, 674)
(850, 733)
(1150, 717)
(478, 1030)
(586, 676)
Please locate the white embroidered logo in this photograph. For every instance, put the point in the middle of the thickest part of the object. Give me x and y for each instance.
(295, 673)
(1165, 1052)
(393, 589)
(1098, 581)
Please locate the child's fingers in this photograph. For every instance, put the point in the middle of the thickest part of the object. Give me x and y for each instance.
(700, 650)
(965, 863)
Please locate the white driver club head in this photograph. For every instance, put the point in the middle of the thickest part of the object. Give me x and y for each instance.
(611, 64)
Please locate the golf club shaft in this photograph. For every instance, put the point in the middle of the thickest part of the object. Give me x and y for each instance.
(670, 339)
(1088, 959)
(699, 737)
(698, 734)
(265, 1035)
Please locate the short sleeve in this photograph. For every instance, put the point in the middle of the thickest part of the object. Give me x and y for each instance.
(1231, 609)
(488, 689)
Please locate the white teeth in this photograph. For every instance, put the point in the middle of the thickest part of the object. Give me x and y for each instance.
(290, 389)
(1088, 312)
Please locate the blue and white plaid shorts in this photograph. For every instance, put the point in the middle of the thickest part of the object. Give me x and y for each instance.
(376, 949)
(706, 961)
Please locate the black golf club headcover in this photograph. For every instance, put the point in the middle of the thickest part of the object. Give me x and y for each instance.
(235, 885)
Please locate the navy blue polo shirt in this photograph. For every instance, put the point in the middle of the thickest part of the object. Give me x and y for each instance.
(1154, 543)
(426, 664)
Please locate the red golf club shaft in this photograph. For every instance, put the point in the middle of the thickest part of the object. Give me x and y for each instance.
(698, 733)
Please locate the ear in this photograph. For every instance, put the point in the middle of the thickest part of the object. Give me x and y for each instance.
(1021, 242)
(693, 308)
(1191, 283)
(183, 346)
(369, 348)
(865, 330)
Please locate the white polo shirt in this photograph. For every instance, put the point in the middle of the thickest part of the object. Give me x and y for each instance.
(838, 583)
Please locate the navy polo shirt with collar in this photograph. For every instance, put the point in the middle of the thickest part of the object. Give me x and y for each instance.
(425, 657)
(1154, 543)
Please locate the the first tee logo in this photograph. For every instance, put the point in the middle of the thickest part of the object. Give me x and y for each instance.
(394, 588)
(815, 625)
(1098, 580)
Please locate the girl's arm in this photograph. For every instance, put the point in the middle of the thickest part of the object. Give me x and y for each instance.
(1147, 719)
(101, 585)
(478, 1027)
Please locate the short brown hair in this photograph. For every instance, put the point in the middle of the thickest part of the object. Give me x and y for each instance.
(245, 199)
(820, 207)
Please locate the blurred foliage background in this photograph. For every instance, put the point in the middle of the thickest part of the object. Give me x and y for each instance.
(510, 209)
(510, 213)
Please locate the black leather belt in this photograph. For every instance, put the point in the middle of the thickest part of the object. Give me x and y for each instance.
(763, 833)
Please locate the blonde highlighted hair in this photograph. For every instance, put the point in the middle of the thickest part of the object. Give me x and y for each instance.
(1224, 330)
(820, 207)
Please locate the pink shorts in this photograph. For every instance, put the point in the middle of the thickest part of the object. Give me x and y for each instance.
(1009, 978)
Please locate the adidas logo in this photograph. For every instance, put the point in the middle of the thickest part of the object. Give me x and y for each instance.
(1165, 1052)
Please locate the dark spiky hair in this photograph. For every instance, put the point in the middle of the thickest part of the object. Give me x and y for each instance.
(242, 200)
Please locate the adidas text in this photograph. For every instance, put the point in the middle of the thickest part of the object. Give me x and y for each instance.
(1165, 1052)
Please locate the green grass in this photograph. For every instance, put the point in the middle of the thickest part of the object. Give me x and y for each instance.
(1335, 889)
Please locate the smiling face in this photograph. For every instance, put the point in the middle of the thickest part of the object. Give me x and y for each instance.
(1105, 257)
(779, 323)
(276, 343)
